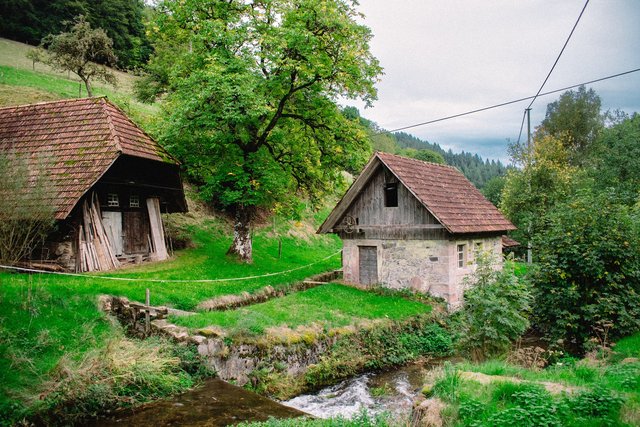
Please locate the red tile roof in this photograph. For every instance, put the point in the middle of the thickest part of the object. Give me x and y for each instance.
(448, 195)
(77, 140)
(443, 190)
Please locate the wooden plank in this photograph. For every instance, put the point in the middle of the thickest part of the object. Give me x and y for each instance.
(157, 231)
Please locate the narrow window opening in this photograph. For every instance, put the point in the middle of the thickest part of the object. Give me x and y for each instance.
(134, 201)
(391, 195)
(112, 200)
(461, 255)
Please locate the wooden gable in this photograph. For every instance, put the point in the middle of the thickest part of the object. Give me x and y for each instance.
(370, 215)
(431, 198)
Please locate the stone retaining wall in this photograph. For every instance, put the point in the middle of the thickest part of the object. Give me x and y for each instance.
(232, 362)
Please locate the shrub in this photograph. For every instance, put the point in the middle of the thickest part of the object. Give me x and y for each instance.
(588, 270)
(495, 310)
(26, 214)
(599, 402)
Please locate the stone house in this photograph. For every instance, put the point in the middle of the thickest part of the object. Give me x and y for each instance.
(409, 224)
(108, 181)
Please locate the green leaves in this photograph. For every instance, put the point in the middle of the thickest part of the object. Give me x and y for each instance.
(588, 268)
(495, 310)
(252, 90)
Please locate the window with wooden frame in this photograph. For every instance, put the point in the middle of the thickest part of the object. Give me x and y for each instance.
(462, 255)
(113, 201)
(134, 201)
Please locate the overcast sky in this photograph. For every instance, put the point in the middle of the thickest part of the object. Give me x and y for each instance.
(444, 57)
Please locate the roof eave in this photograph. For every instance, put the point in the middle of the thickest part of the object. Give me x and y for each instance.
(347, 199)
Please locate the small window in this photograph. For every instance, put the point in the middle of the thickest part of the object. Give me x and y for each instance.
(391, 195)
(461, 255)
(112, 200)
(134, 201)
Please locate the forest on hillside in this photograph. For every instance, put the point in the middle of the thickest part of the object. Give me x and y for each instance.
(29, 21)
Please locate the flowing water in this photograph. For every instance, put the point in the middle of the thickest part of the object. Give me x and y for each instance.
(392, 391)
(218, 403)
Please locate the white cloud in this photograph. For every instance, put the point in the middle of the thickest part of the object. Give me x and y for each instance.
(446, 57)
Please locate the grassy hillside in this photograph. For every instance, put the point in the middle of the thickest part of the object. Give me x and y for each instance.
(22, 83)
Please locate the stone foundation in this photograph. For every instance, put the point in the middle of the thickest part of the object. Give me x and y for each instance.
(427, 266)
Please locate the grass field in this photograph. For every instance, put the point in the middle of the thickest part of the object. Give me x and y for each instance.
(327, 306)
(51, 322)
(13, 54)
(598, 391)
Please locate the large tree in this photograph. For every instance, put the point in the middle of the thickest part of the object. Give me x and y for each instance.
(252, 99)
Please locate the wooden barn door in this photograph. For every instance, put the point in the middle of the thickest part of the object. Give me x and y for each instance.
(136, 233)
(368, 265)
(112, 222)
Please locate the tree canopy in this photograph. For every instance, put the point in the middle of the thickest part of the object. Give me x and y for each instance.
(251, 106)
(575, 118)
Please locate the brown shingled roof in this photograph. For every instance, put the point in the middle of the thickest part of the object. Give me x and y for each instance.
(77, 139)
(443, 190)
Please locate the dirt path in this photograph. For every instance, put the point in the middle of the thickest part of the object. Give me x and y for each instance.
(551, 387)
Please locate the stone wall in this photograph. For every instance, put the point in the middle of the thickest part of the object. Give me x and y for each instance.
(427, 266)
(231, 362)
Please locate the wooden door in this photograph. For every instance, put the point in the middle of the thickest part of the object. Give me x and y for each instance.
(136, 233)
(368, 265)
(112, 222)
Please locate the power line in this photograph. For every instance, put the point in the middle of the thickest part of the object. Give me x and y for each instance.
(559, 55)
(502, 104)
(524, 116)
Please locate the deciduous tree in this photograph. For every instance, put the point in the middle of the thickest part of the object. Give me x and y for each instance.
(251, 109)
(80, 51)
(588, 269)
(25, 216)
(575, 118)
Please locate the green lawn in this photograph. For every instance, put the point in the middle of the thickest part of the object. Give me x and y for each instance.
(208, 261)
(46, 320)
(329, 306)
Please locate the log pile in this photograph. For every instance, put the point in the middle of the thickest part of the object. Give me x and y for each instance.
(95, 251)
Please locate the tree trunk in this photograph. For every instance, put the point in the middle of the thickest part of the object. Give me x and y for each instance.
(241, 246)
(87, 84)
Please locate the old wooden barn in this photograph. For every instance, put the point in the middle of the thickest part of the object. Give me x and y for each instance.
(409, 224)
(109, 181)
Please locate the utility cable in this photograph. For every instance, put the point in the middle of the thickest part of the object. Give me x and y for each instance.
(559, 55)
(502, 104)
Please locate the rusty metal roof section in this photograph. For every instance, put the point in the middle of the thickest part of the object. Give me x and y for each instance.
(443, 190)
(75, 141)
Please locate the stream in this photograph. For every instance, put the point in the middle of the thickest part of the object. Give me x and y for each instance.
(391, 391)
(218, 403)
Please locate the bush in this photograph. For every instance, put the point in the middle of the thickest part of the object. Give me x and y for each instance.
(495, 310)
(588, 270)
(599, 403)
(26, 213)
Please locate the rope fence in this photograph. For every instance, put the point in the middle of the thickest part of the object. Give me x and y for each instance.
(136, 279)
